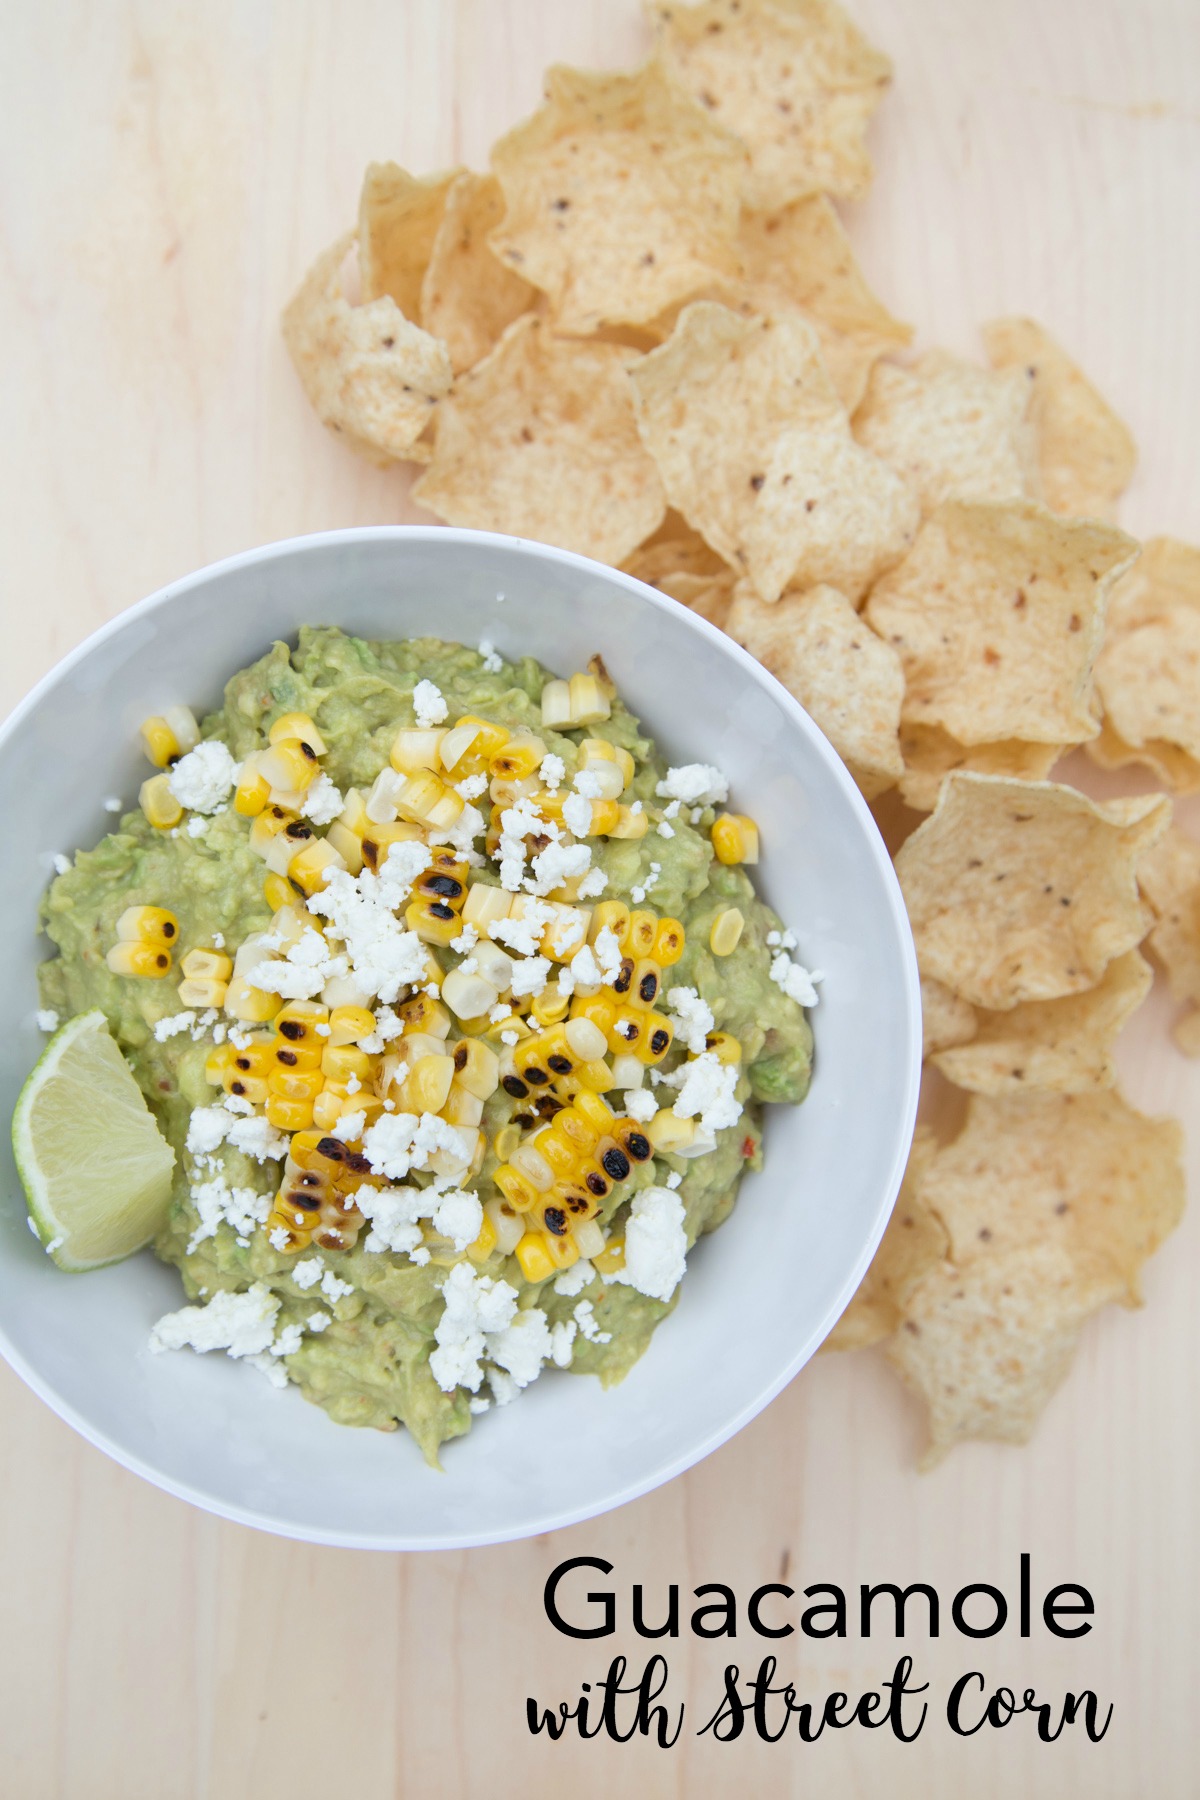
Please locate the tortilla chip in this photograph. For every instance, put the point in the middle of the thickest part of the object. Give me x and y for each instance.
(915, 1242)
(794, 79)
(673, 549)
(755, 451)
(622, 197)
(1170, 880)
(1086, 455)
(1052, 1204)
(952, 430)
(930, 753)
(847, 679)
(1065, 1046)
(1026, 890)
(1148, 670)
(1186, 1032)
(468, 296)
(398, 220)
(1165, 575)
(371, 375)
(997, 614)
(539, 440)
(945, 1018)
(709, 595)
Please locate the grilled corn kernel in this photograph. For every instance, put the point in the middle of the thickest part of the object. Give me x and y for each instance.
(533, 1253)
(252, 1088)
(152, 925)
(657, 1037)
(562, 1251)
(455, 743)
(646, 984)
(447, 884)
(550, 1007)
(631, 1135)
(669, 940)
(206, 965)
(585, 1040)
(329, 1106)
(414, 749)
(253, 790)
(433, 921)
(726, 931)
(485, 906)
(347, 844)
(217, 1064)
(127, 958)
(427, 1084)
(556, 705)
(312, 867)
(643, 929)
(527, 1160)
(589, 702)
(159, 742)
(297, 725)
(593, 1077)
(348, 1024)
(471, 753)
(735, 839)
(424, 1013)
(627, 1033)
(577, 1129)
(611, 915)
(566, 933)
(295, 1084)
(354, 812)
(288, 1115)
(520, 1193)
(601, 760)
(670, 1135)
(426, 799)
(519, 757)
(289, 764)
(485, 1243)
(199, 993)
(724, 1046)
(340, 1061)
(630, 823)
(476, 1067)
(611, 1259)
(468, 996)
(251, 1004)
(377, 840)
(506, 1141)
(271, 821)
(462, 1107)
(297, 1022)
(601, 1009)
(158, 803)
(255, 1057)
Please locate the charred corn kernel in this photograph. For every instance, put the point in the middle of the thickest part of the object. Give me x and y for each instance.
(485, 1243)
(631, 1135)
(726, 931)
(643, 929)
(290, 764)
(724, 1046)
(199, 994)
(472, 751)
(427, 1084)
(217, 1063)
(484, 906)
(506, 1141)
(611, 1259)
(585, 1077)
(347, 1024)
(340, 1061)
(631, 823)
(627, 1033)
(601, 1009)
(299, 726)
(279, 892)
(549, 805)
(509, 1225)
(297, 1022)
(206, 965)
(596, 1111)
(251, 1004)
(377, 840)
(517, 1190)
(253, 790)
(414, 749)
(295, 1208)
(514, 1026)
(657, 1037)
(348, 846)
(139, 959)
(446, 882)
(613, 1161)
(353, 815)
(476, 1068)
(158, 803)
(455, 743)
(622, 982)
(149, 925)
(288, 1115)
(562, 1251)
(669, 940)
(601, 759)
(518, 758)
(462, 1107)
(577, 1129)
(304, 1150)
(433, 921)
(561, 1209)
(159, 741)
(589, 702)
(468, 996)
(426, 799)
(566, 933)
(424, 1013)
(671, 1135)
(254, 1058)
(311, 868)
(329, 1106)
(295, 1084)
(248, 1087)
(735, 839)
(646, 985)
(271, 821)
(528, 1161)
(585, 1040)
(287, 844)
(610, 915)
(533, 1253)
(551, 1006)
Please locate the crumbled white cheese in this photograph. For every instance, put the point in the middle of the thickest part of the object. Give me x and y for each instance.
(577, 813)
(607, 948)
(523, 935)
(552, 772)
(655, 1244)
(466, 940)
(520, 1348)
(471, 787)
(277, 1237)
(322, 801)
(317, 1321)
(474, 1307)
(491, 662)
(46, 1019)
(510, 1038)
(201, 780)
(307, 965)
(333, 1287)
(694, 1015)
(529, 977)
(217, 1204)
(799, 984)
(394, 1214)
(556, 864)
(640, 1104)
(665, 830)
(706, 1091)
(429, 704)
(589, 783)
(173, 1026)
(573, 1280)
(197, 826)
(674, 1179)
(562, 1343)
(242, 1324)
(349, 1128)
(113, 803)
(592, 884)
(383, 955)
(400, 1142)
(696, 784)
(585, 969)
(517, 822)
(458, 1216)
(257, 1138)
(62, 864)
(288, 1341)
(585, 1318)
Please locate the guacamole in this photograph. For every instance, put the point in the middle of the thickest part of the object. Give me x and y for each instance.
(357, 1328)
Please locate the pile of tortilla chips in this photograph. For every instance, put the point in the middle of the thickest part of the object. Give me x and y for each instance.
(643, 335)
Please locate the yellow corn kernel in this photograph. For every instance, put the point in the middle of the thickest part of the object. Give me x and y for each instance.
(630, 823)
(462, 1107)
(289, 765)
(420, 794)
(631, 1136)
(159, 741)
(589, 702)
(476, 1068)
(578, 1130)
(527, 1160)
(520, 1193)
(735, 839)
(253, 790)
(444, 879)
(217, 1065)
(272, 820)
(354, 812)
(643, 929)
(646, 983)
(534, 1255)
(433, 921)
(297, 725)
(297, 1022)
(471, 754)
(127, 958)
(206, 965)
(612, 1258)
(550, 1007)
(424, 1013)
(278, 891)
(255, 1058)
(726, 931)
(506, 1141)
(198, 993)
(595, 1076)
(306, 1056)
(348, 846)
(152, 925)
(485, 1243)
(600, 760)
(626, 1035)
(556, 705)
(414, 749)
(158, 803)
(328, 1108)
(377, 840)
(288, 1115)
(519, 757)
(601, 1009)
(348, 1024)
(670, 1135)
(485, 906)
(311, 868)
(562, 1251)
(247, 1087)
(427, 1084)
(614, 916)
(253, 1005)
(560, 1152)
(295, 1084)
(669, 942)
(585, 1039)
(340, 1061)
(566, 933)
(657, 1036)
(724, 1046)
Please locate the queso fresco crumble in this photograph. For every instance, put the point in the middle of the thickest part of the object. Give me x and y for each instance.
(457, 1006)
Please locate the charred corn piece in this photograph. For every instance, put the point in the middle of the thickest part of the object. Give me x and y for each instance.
(427, 1084)
(349, 1024)
(551, 1006)
(476, 1067)
(288, 1114)
(427, 800)
(377, 840)
(297, 1022)
(340, 1061)
(424, 1013)
(520, 1193)
(170, 735)
(669, 941)
(735, 839)
(627, 1032)
(485, 1243)
(724, 1046)
(311, 868)
(148, 960)
(613, 1160)
(470, 753)
(199, 994)
(611, 915)
(434, 921)
(445, 879)
(206, 965)
(670, 1135)
(631, 1136)
(643, 929)
(347, 844)
(527, 1160)
(290, 764)
(414, 749)
(657, 1037)
(646, 985)
(254, 1006)
(519, 757)
(566, 933)
(298, 726)
(159, 804)
(254, 1058)
(296, 1209)
(152, 925)
(247, 1087)
(593, 1077)
(269, 824)
(588, 701)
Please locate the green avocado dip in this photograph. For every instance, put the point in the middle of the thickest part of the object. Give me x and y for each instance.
(408, 1323)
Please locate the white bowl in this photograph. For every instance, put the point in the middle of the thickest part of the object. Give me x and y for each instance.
(760, 1293)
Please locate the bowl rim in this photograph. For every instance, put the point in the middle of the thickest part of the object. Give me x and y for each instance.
(722, 645)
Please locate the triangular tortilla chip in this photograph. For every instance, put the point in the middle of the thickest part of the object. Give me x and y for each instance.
(930, 754)
(399, 216)
(915, 1242)
(468, 296)
(1148, 670)
(951, 429)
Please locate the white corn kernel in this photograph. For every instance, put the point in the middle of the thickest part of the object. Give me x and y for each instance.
(586, 1040)
(468, 996)
(556, 705)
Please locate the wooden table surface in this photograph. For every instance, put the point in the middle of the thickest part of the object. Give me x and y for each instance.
(169, 170)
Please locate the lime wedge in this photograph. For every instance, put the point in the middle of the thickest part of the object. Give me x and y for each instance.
(95, 1167)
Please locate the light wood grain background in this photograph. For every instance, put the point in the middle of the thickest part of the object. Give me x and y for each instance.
(168, 170)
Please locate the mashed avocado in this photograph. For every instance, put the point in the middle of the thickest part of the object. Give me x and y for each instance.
(371, 1364)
